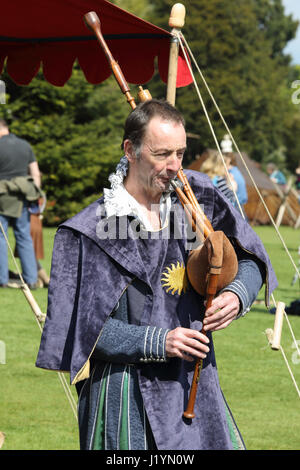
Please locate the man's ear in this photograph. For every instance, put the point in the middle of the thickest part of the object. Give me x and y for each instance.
(129, 151)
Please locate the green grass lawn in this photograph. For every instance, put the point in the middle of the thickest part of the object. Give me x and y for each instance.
(35, 413)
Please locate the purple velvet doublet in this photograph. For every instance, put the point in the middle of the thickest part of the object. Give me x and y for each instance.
(91, 269)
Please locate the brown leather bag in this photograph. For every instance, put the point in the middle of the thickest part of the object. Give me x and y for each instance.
(215, 256)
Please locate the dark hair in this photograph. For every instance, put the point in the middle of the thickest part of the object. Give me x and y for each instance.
(137, 121)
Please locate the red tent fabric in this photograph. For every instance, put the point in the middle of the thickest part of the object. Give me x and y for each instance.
(51, 34)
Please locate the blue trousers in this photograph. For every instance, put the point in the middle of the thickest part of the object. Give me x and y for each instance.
(21, 228)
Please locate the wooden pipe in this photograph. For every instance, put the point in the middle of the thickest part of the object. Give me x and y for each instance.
(207, 227)
(193, 211)
(92, 21)
(189, 411)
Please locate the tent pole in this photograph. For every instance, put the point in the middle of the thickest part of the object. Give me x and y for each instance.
(176, 22)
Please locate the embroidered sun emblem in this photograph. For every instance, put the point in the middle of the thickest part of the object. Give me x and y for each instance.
(175, 278)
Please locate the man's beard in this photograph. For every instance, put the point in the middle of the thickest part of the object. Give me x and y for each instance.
(162, 182)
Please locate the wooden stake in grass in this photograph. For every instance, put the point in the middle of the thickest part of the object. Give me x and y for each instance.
(278, 326)
(274, 338)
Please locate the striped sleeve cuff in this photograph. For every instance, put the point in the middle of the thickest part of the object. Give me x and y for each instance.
(155, 345)
(247, 284)
(238, 288)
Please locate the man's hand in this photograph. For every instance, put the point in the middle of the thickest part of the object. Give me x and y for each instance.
(183, 341)
(222, 312)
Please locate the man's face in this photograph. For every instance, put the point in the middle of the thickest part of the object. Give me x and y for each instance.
(161, 155)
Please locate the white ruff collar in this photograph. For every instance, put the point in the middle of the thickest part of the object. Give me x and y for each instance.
(118, 201)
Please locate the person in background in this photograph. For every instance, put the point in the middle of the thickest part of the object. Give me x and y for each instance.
(241, 190)
(36, 232)
(276, 175)
(19, 186)
(214, 168)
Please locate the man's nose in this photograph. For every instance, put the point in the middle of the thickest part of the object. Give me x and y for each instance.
(173, 163)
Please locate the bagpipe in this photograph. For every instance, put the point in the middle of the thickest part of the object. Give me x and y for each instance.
(213, 264)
